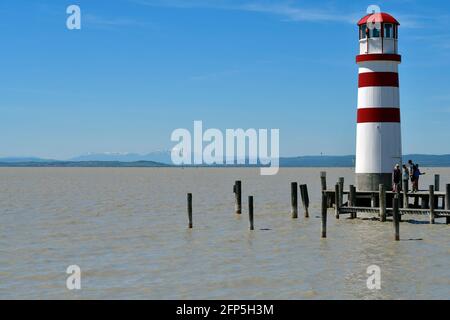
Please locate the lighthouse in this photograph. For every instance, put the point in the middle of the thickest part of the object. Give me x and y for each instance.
(378, 142)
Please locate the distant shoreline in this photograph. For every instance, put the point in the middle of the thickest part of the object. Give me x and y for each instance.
(144, 164)
(347, 161)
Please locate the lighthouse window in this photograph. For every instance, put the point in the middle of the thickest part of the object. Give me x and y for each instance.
(363, 32)
(375, 32)
(388, 31)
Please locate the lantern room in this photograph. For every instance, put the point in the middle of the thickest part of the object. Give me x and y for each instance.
(378, 33)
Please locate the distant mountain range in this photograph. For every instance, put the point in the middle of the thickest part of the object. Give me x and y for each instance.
(158, 156)
(162, 159)
(84, 164)
(23, 159)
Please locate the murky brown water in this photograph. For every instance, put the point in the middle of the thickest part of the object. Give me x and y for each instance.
(126, 229)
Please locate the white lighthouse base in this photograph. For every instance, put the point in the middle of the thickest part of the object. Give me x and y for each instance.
(372, 181)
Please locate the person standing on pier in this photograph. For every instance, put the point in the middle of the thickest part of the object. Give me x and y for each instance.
(416, 176)
(411, 169)
(396, 178)
(411, 173)
(405, 175)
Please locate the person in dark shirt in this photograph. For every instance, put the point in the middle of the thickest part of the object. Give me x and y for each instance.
(397, 179)
(416, 175)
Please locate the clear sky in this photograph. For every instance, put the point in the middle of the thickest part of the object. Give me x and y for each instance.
(138, 69)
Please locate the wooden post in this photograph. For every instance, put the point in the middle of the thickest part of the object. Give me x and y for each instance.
(437, 187)
(238, 197)
(294, 200)
(352, 196)
(323, 180)
(352, 199)
(337, 199)
(382, 190)
(189, 209)
(398, 195)
(395, 218)
(405, 194)
(437, 182)
(447, 201)
(431, 201)
(250, 212)
(305, 199)
(324, 215)
(341, 191)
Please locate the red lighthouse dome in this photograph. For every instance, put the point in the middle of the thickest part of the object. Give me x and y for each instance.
(378, 18)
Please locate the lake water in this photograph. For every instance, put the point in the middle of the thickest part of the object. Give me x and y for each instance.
(126, 228)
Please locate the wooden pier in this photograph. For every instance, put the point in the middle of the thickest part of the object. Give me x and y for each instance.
(435, 204)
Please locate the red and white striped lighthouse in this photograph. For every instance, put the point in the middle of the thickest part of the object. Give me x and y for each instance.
(378, 142)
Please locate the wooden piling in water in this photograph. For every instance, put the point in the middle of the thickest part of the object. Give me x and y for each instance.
(250, 212)
(324, 215)
(395, 218)
(341, 191)
(431, 203)
(352, 199)
(447, 201)
(294, 200)
(323, 180)
(382, 191)
(405, 194)
(305, 199)
(437, 182)
(337, 200)
(238, 196)
(189, 209)
(437, 187)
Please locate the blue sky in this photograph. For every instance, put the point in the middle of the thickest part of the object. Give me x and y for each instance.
(138, 69)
